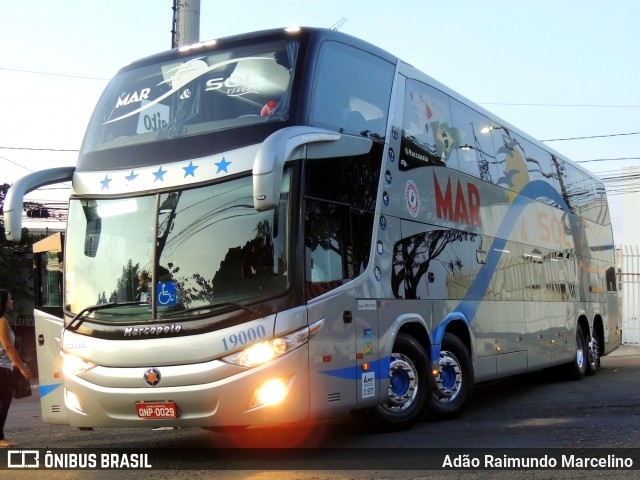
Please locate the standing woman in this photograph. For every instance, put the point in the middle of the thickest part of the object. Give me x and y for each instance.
(8, 357)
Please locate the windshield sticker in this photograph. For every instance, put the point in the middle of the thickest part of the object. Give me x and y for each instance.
(184, 74)
(235, 85)
(154, 118)
(166, 294)
(134, 97)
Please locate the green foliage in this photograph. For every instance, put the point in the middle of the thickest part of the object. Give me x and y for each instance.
(16, 265)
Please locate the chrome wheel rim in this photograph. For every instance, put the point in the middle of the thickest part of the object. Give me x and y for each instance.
(403, 383)
(448, 381)
(579, 351)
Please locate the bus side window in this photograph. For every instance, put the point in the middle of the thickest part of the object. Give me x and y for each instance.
(351, 91)
(339, 205)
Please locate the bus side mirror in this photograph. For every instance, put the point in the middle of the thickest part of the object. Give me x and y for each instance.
(275, 151)
(287, 144)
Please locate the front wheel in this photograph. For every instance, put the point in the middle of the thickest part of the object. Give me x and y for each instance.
(454, 382)
(409, 387)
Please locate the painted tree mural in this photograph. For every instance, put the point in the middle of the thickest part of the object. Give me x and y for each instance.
(413, 255)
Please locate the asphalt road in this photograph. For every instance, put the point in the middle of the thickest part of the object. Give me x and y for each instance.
(535, 411)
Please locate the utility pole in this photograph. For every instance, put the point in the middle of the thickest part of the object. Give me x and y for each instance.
(186, 23)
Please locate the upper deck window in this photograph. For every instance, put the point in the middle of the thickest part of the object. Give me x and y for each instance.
(202, 93)
(351, 91)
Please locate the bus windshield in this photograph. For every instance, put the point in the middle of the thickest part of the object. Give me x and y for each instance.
(191, 95)
(174, 254)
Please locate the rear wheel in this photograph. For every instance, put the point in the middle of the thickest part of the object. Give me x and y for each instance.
(453, 384)
(577, 368)
(409, 387)
(593, 357)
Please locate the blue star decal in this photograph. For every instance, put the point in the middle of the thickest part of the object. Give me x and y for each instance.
(105, 182)
(132, 176)
(159, 174)
(222, 166)
(190, 169)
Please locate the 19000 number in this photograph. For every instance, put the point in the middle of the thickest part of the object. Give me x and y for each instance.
(244, 337)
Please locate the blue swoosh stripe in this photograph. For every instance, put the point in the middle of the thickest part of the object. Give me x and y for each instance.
(47, 389)
(355, 373)
(468, 307)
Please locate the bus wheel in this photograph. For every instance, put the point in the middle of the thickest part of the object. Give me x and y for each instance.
(577, 368)
(409, 386)
(593, 357)
(454, 383)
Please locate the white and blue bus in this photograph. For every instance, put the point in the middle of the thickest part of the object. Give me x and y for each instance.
(294, 224)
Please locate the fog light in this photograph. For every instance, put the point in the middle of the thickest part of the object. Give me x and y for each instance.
(271, 392)
(72, 401)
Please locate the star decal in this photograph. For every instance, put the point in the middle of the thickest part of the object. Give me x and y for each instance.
(105, 182)
(190, 170)
(222, 166)
(132, 176)
(159, 174)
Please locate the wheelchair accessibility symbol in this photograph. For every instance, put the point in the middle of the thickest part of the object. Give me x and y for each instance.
(166, 294)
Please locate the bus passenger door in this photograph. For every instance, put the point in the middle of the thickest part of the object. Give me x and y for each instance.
(48, 338)
(332, 355)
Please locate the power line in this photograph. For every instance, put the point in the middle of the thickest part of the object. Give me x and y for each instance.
(580, 105)
(592, 136)
(16, 164)
(607, 159)
(53, 74)
(41, 149)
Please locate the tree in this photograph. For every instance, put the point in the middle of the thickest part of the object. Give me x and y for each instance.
(253, 260)
(16, 273)
(413, 255)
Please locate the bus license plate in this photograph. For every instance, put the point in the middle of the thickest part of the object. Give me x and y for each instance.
(157, 410)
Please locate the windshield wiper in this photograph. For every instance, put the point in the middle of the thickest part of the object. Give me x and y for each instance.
(76, 321)
(211, 306)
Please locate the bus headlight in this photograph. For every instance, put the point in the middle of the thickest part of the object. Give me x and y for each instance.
(74, 366)
(263, 352)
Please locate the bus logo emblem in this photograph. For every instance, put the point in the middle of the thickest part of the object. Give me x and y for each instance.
(152, 377)
(413, 198)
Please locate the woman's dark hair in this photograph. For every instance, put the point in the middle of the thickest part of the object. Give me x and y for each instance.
(4, 298)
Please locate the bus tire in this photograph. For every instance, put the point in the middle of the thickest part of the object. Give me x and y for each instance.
(577, 368)
(593, 357)
(453, 386)
(409, 386)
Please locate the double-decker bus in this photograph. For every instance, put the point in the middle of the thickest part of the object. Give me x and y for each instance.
(295, 224)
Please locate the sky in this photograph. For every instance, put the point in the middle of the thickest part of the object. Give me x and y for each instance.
(552, 68)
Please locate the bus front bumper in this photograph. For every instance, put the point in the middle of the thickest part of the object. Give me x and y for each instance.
(273, 393)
